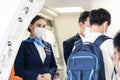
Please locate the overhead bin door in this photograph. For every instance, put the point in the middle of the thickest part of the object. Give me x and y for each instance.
(15, 16)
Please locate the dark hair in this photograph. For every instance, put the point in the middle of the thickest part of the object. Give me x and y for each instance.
(99, 16)
(116, 41)
(83, 16)
(37, 17)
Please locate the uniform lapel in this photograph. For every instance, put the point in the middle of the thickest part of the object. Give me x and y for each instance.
(35, 51)
(48, 52)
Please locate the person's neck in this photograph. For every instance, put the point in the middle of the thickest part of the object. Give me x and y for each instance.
(81, 34)
(95, 28)
(31, 35)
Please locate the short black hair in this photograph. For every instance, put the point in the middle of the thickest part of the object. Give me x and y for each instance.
(99, 16)
(116, 41)
(37, 17)
(83, 16)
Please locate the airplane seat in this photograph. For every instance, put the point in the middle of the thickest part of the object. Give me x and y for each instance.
(12, 75)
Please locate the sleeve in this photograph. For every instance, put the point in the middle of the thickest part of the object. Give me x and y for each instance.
(53, 66)
(108, 48)
(19, 65)
(65, 51)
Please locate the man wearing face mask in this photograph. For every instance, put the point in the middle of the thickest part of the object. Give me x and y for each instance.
(35, 59)
(84, 29)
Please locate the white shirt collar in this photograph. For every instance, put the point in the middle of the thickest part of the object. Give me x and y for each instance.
(91, 37)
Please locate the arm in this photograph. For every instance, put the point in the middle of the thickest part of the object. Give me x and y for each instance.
(65, 51)
(53, 66)
(19, 65)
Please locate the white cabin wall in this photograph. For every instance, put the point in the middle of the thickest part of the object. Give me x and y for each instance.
(66, 26)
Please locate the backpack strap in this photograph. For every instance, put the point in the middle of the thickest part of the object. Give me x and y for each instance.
(98, 42)
(77, 45)
(101, 39)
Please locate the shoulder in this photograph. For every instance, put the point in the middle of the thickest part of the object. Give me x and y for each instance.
(108, 42)
(24, 42)
(72, 39)
(108, 47)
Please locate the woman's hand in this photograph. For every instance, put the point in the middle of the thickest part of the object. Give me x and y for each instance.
(40, 77)
(46, 76)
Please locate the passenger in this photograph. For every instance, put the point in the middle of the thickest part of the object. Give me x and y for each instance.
(69, 43)
(13, 76)
(35, 59)
(116, 42)
(100, 19)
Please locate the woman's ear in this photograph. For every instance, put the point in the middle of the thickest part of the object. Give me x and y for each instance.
(29, 28)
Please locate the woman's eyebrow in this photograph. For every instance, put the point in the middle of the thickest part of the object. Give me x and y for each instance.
(39, 24)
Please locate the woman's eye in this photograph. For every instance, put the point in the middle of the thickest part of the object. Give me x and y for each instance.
(43, 26)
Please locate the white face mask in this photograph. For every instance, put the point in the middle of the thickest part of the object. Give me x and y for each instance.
(87, 30)
(39, 32)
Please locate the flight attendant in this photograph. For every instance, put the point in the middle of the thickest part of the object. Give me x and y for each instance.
(35, 59)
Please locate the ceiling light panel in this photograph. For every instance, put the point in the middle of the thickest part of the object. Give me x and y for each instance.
(69, 9)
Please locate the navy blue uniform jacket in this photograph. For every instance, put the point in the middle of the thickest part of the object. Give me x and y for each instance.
(28, 63)
(68, 46)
